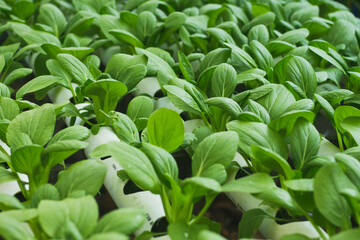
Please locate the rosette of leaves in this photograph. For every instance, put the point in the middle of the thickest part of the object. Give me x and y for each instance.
(34, 149)
(68, 209)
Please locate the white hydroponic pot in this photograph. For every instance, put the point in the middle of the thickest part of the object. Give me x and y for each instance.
(145, 200)
(148, 85)
(269, 228)
(60, 94)
(165, 102)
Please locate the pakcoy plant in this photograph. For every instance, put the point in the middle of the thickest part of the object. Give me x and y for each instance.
(67, 209)
(34, 151)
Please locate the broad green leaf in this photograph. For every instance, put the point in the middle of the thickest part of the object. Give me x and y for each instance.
(251, 75)
(140, 107)
(259, 33)
(105, 94)
(265, 19)
(22, 215)
(216, 148)
(6, 176)
(342, 32)
(13, 229)
(120, 63)
(86, 176)
(223, 81)
(275, 98)
(124, 127)
(336, 96)
(227, 104)
(352, 126)
(207, 234)
(8, 202)
(201, 185)
(272, 161)
(185, 67)
(80, 25)
(17, 74)
(305, 13)
(146, 24)
(216, 172)
(250, 222)
(33, 36)
(285, 123)
(221, 35)
(302, 104)
(38, 124)
(351, 167)
(181, 99)
(343, 112)
(254, 183)
(259, 110)
(329, 110)
(52, 216)
(241, 60)
(37, 84)
(27, 158)
(70, 133)
(302, 185)
(23, 8)
(351, 234)
(259, 134)
(304, 142)
(162, 161)
(215, 57)
(329, 181)
(302, 74)
(175, 20)
(165, 129)
(126, 37)
(132, 75)
(74, 67)
(278, 197)
(134, 162)
(44, 192)
(294, 36)
(124, 221)
(108, 236)
(178, 230)
(156, 63)
(52, 16)
(261, 55)
(83, 212)
(278, 48)
(327, 57)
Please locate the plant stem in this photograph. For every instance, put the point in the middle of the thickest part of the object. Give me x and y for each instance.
(166, 203)
(311, 220)
(205, 121)
(204, 209)
(341, 146)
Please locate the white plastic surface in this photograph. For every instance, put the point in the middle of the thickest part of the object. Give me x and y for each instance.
(149, 85)
(59, 94)
(165, 102)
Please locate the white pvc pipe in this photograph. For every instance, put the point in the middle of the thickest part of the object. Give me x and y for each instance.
(151, 203)
(269, 228)
(145, 200)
